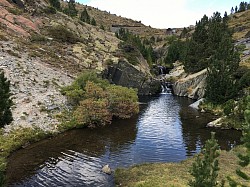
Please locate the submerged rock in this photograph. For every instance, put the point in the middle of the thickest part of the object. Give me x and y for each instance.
(106, 169)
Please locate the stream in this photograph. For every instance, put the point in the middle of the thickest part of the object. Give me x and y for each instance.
(165, 130)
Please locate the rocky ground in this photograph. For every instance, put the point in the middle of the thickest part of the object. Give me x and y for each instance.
(35, 87)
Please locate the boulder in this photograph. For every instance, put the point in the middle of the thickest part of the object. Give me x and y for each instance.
(192, 86)
(106, 169)
(125, 74)
(196, 104)
(216, 123)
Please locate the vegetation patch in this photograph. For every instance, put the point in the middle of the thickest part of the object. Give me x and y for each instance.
(176, 174)
(62, 34)
(96, 102)
(15, 140)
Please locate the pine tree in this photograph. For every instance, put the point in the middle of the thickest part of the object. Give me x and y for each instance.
(236, 9)
(197, 48)
(244, 159)
(55, 3)
(221, 84)
(242, 7)
(232, 10)
(93, 22)
(102, 27)
(5, 101)
(205, 168)
(85, 16)
(71, 10)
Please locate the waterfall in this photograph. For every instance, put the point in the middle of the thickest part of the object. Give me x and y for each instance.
(166, 87)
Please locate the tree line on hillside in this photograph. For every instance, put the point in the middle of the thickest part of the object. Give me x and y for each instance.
(71, 11)
(243, 6)
(210, 46)
(134, 41)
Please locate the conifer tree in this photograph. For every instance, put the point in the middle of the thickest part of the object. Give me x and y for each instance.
(236, 9)
(205, 168)
(71, 10)
(232, 10)
(197, 53)
(85, 16)
(242, 7)
(55, 3)
(221, 84)
(5, 101)
(244, 159)
(102, 27)
(93, 22)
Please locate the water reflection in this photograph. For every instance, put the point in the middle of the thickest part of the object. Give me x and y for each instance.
(166, 130)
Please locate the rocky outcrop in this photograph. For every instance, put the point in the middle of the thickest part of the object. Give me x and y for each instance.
(192, 86)
(16, 24)
(125, 74)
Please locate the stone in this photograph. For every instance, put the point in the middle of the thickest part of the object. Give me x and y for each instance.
(192, 86)
(196, 104)
(106, 169)
(216, 123)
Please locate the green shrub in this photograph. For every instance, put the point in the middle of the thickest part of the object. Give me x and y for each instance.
(37, 38)
(245, 80)
(228, 107)
(93, 112)
(62, 34)
(5, 101)
(122, 101)
(205, 169)
(95, 101)
(49, 10)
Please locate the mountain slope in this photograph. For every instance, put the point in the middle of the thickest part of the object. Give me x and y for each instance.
(42, 51)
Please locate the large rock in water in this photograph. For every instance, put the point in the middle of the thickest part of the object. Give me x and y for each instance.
(127, 75)
(192, 86)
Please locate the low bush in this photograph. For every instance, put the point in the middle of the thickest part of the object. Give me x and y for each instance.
(62, 34)
(95, 101)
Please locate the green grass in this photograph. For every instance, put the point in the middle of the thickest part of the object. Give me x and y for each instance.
(175, 174)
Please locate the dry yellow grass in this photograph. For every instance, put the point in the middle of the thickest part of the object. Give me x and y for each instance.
(241, 24)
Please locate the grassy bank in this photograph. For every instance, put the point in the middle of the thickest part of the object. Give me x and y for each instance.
(15, 140)
(175, 174)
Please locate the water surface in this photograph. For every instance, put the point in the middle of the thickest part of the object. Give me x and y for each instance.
(165, 130)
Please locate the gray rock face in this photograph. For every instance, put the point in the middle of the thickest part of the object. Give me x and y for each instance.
(192, 86)
(127, 75)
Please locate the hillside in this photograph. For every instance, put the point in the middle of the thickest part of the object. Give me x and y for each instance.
(107, 20)
(42, 51)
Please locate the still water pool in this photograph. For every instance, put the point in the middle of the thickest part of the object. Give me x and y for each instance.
(165, 130)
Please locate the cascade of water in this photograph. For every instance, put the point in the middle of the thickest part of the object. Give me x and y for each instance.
(165, 86)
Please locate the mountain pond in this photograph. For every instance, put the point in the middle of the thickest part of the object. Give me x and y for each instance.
(165, 130)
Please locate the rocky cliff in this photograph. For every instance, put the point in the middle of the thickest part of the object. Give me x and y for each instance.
(125, 74)
(191, 86)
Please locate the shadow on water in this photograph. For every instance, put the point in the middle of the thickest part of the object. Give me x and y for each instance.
(165, 130)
